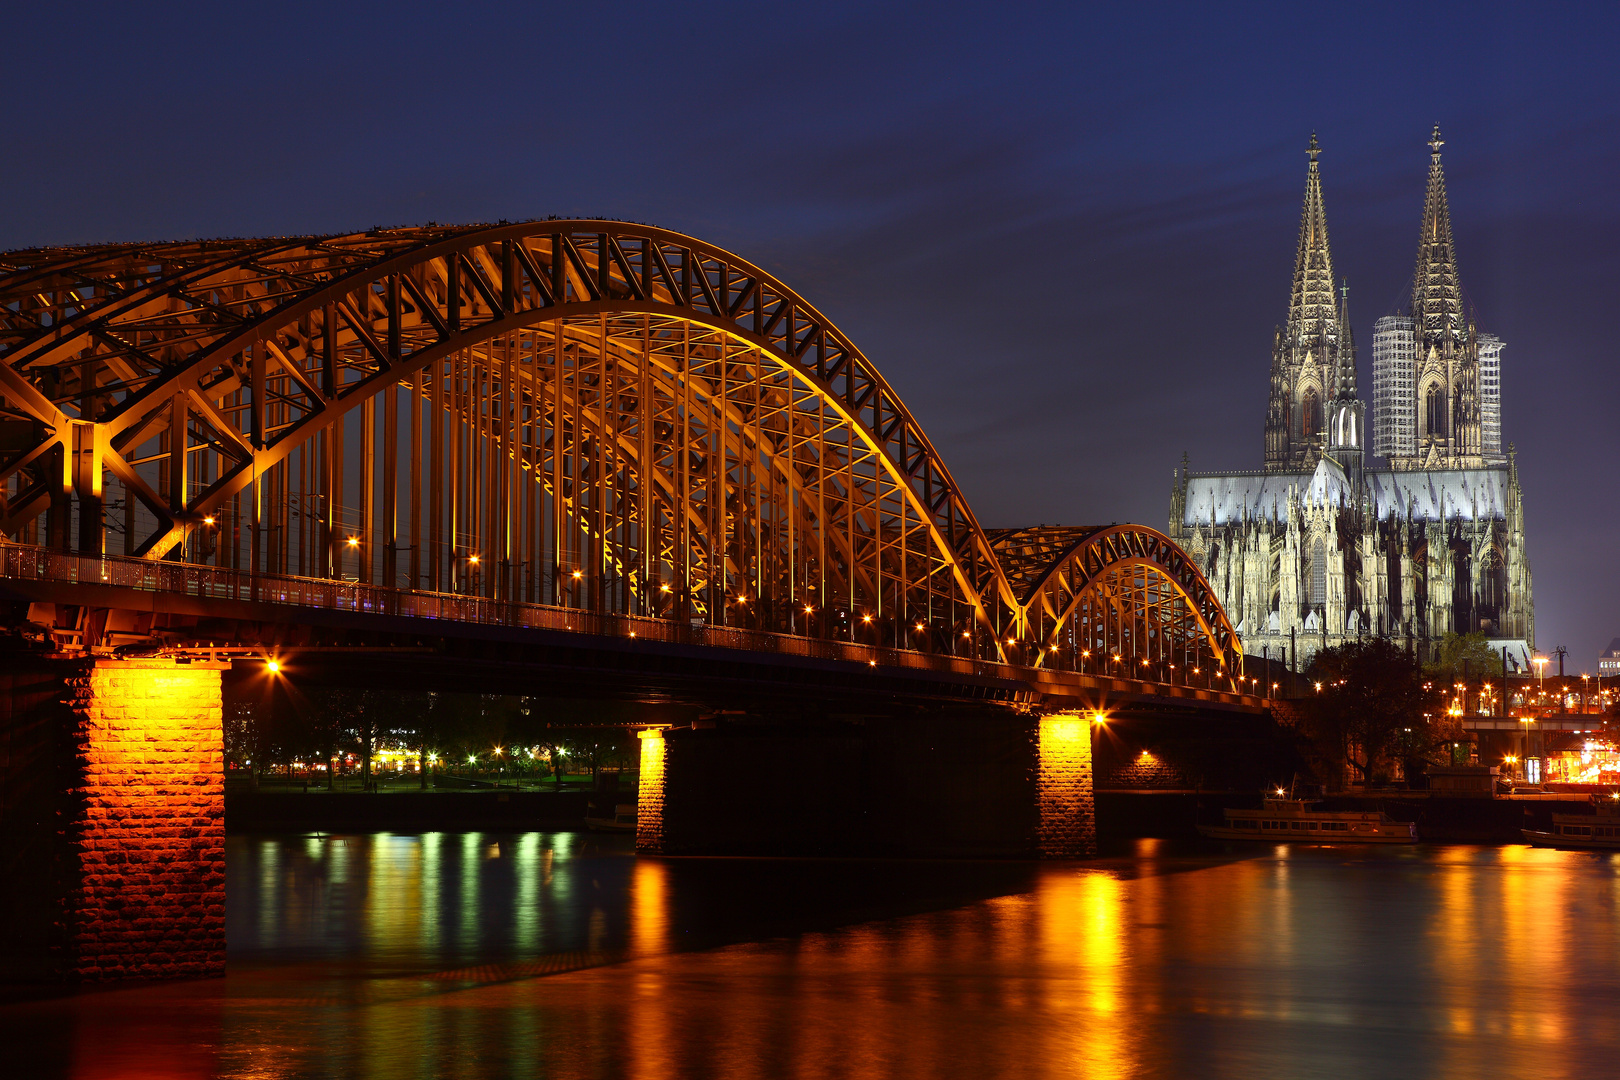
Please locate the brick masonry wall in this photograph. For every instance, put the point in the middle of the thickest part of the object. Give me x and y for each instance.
(650, 794)
(146, 824)
(1068, 813)
(1145, 772)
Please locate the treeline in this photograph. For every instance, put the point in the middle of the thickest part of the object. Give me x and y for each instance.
(1376, 714)
(274, 730)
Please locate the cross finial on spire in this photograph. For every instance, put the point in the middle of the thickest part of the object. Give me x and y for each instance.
(1314, 149)
(1436, 142)
(1344, 289)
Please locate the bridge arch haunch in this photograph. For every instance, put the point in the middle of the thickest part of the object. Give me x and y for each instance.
(585, 413)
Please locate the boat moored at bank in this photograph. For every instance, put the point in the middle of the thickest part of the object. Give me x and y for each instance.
(1298, 821)
(1600, 830)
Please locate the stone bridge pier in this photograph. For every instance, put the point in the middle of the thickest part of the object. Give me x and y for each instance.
(112, 819)
(941, 782)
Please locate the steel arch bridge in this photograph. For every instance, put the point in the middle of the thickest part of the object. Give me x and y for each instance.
(587, 414)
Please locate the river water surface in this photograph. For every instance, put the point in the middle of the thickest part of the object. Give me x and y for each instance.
(563, 955)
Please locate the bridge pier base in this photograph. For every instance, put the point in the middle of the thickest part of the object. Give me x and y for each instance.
(1067, 799)
(939, 783)
(113, 801)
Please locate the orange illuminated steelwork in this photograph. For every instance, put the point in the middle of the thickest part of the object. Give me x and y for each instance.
(652, 413)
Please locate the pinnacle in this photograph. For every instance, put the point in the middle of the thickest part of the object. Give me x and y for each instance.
(1436, 142)
(1315, 149)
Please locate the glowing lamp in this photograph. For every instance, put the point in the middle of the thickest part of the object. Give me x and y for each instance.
(272, 667)
(578, 574)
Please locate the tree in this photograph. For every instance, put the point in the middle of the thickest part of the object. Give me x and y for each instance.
(1370, 710)
(1465, 654)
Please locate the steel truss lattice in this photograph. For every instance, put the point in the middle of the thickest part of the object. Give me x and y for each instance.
(582, 413)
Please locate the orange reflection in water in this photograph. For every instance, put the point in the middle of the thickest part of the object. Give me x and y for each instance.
(1436, 962)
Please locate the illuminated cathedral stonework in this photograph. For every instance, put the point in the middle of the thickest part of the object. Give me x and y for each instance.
(1316, 549)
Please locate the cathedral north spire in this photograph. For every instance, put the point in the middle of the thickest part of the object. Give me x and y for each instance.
(1436, 291)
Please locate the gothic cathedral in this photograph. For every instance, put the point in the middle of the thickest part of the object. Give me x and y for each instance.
(1320, 546)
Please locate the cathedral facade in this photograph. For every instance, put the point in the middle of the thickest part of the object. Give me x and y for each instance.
(1324, 545)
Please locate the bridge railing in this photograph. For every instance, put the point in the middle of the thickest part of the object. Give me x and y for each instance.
(25, 562)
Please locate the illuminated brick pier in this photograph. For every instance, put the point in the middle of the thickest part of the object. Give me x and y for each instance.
(1068, 818)
(116, 821)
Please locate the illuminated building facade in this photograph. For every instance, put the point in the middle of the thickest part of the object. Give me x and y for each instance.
(1609, 660)
(1319, 546)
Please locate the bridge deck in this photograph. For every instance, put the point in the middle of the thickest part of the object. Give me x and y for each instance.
(40, 575)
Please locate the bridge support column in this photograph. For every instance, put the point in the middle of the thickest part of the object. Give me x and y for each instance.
(650, 794)
(115, 811)
(1068, 815)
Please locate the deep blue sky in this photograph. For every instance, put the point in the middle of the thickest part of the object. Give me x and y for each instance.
(1065, 235)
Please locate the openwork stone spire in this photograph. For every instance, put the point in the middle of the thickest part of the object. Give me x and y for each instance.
(1436, 293)
(1312, 312)
(1307, 384)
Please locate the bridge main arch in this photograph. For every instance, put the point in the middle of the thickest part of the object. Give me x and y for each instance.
(588, 413)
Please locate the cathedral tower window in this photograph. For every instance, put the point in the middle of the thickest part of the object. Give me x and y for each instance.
(1310, 415)
(1435, 410)
(1318, 573)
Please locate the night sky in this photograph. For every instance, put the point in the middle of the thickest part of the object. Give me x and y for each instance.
(1065, 236)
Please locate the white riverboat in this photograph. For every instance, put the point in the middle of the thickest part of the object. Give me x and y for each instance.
(1601, 830)
(1296, 821)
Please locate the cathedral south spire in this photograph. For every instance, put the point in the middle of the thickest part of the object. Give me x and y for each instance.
(1312, 313)
(1306, 379)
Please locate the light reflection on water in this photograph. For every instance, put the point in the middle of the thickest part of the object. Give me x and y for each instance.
(554, 954)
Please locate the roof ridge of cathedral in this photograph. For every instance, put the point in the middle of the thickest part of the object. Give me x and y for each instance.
(1312, 312)
(1436, 286)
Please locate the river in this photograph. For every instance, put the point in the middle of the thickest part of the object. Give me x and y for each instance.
(563, 955)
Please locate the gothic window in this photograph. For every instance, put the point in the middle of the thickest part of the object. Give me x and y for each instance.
(1436, 410)
(1456, 408)
(1318, 573)
(1462, 591)
(1492, 587)
(1310, 415)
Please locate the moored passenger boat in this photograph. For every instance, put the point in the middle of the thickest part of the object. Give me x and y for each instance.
(1601, 830)
(1297, 821)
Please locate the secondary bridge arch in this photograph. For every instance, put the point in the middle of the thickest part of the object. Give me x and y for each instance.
(586, 413)
(1124, 591)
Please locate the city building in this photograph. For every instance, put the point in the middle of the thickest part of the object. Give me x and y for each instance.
(1609, 660)
(1321, 546)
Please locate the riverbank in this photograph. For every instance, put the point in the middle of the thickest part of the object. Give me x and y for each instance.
(1440, 819)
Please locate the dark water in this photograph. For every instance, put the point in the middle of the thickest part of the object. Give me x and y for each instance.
(474, 955)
